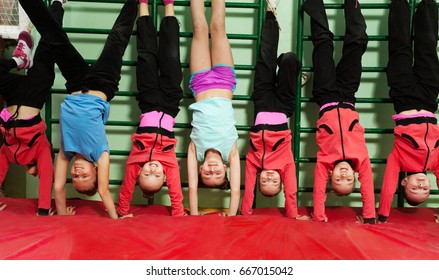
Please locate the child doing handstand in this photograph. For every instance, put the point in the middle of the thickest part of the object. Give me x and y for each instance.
(414, 85)
(340, 137)
(23, 129)
(159, 75)
(270, 156)
(214, 135)
(85, 110)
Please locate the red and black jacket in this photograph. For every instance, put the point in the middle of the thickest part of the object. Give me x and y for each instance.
(415, 149)
(25, 143)
(270, 149)
(340, 137)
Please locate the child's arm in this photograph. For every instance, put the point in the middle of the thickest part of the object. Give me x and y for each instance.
(436, 174)
(290, 190)
(319, 192)
(367, 192)
(127, 188)
(388, 189)
(192, 170)
(173, 181)
(103, 184)
(45, 174)
(249, 188)
(4, 163)
(59, 186)
(235, 180)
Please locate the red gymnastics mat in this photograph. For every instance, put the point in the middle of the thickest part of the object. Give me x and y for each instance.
(152, 234)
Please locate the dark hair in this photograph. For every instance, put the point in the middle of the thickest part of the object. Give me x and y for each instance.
(342, 194)
(213, 151)
(91, 191)
(409, 201)
(149, 194)
(224, 185)
(332, 190)
(269, 195)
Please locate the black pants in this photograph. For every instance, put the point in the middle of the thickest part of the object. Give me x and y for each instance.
(104, 75)
(336, 83)
(34, 88)
(413, 85)
(271, 92)
(158, 69)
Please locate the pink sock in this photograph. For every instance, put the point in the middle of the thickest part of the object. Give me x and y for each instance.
(166, 2)
(143, 1)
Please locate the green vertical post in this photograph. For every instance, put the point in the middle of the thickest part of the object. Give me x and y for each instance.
(298, 103)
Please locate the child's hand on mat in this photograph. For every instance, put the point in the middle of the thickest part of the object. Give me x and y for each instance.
(303, 218)
(70, 210)
(52, 211)
(126, 216)
(2, 206)
(361, 220)
(312, 216)
(436, 218)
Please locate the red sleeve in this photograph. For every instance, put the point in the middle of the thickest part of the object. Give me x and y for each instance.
(174, 186)
(290, 190)
(4, 163)
(319, 192)
(367, 189)
(436, 173)
(127, 188)
(390, 184)
(45, 174)
(249, 188)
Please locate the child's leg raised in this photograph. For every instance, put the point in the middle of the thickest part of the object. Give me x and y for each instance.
(289, 68)
(349, 70)
(221, 51)
(322, 57)
(426, 64)
(400, 75)
(200, 53)
(170, 66)
(147, 69)
(42, 74)
(9, 82)
(70, 62)
(105, 73)
(265, 71)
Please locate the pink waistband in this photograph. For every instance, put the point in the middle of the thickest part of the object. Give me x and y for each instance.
(6, 116)
(157, 119)
(270, 118)
(398, 117)
(334, 104)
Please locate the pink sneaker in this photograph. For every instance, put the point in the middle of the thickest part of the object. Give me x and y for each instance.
(166, 2)
(24, 50)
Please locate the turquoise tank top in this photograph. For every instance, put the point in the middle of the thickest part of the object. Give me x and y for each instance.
(213, 126)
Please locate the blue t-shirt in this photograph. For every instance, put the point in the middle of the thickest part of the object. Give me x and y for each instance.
(213, 126)
(82, 123)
